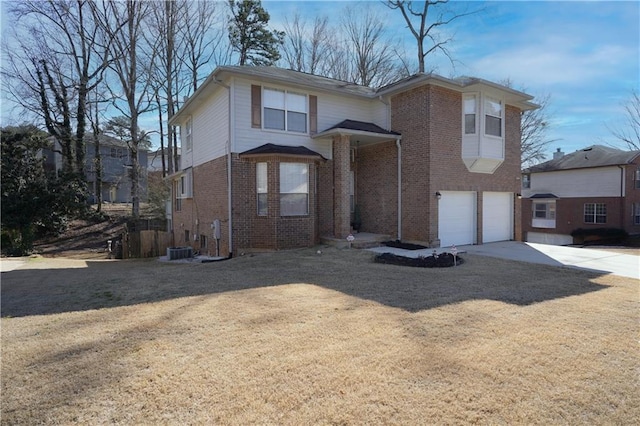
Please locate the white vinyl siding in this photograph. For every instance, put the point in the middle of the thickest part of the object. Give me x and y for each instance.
(332, 109)
(580, 183)
(210, 130)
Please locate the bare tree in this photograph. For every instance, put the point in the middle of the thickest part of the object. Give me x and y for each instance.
(307, 50)
(417, 18)
(629, 134)
(373, 56)
(132, 69)
(61, 59)
(533, 132)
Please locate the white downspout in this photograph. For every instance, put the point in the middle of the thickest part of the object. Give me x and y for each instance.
(229, 198)
(399, 189)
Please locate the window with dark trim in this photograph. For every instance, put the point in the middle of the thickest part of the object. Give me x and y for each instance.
(637, 179)
(636, 213)
(595, 213)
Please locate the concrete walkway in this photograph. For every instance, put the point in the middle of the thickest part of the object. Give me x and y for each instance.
(601, 261)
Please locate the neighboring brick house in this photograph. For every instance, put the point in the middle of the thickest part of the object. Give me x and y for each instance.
(275, 159)
(595, 187)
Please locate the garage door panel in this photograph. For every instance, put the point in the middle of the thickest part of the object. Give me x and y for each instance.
(456, 218)
(497, 216)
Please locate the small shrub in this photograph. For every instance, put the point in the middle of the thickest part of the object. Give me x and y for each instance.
(599, 235)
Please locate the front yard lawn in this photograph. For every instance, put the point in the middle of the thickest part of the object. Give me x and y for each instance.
(300, 338)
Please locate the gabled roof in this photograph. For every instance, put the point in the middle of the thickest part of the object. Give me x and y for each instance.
(287, 76)
(270, 149)
(593, 156)
(309, 81)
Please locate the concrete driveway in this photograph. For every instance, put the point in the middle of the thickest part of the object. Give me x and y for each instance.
(602, 261)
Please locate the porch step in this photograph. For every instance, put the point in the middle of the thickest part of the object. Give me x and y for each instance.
(362, 240)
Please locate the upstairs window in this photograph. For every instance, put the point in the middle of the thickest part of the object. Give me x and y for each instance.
(188, 136)
(294, 189)
(469, 114)
(526, 181)
(493, 117)
(285, 110)
(595, 213)
(637, 179)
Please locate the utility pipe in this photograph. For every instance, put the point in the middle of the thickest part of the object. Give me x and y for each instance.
(229, 198)
(399, 189)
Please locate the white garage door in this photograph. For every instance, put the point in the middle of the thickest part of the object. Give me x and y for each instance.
(457, 218)
(497, 216)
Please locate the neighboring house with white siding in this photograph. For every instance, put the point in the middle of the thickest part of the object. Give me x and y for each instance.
(275, 159)
(595, 187)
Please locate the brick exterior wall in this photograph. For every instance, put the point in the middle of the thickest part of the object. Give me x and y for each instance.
(430, 120)
(376, 175)
(250, 231)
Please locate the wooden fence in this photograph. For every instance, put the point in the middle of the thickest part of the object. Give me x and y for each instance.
(151, 243)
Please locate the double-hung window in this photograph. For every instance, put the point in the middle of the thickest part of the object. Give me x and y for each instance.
(595, 213)
(637, 179)
(469, 114)
(493, 117)
(285, 110)
(636, 213)
(262, 188)
(544, 211)
(294, 189)
(188, 136)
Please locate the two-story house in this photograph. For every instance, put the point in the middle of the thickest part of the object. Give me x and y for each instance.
(275, 159)
(115, 158)
(595, 187)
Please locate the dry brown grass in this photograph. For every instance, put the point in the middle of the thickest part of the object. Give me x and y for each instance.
(297, 338)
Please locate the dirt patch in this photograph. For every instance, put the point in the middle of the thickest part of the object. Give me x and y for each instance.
(298, 337)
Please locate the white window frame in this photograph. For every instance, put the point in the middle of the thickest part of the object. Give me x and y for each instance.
(465, 112)
(486, 113)
(287, 190)
(526, 181)
(262, 188)
(287, 107)
(185, 184)
(549, 219)
(594, 215)
(188, 134)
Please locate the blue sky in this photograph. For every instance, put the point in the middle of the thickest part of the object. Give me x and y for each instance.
(586, 55)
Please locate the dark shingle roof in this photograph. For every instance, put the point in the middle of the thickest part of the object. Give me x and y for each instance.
(300, 78)
(544, 196)
(270, 148)
(593, 156)
(362, 126)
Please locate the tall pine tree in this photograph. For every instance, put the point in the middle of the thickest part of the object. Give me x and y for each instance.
(250, 36)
